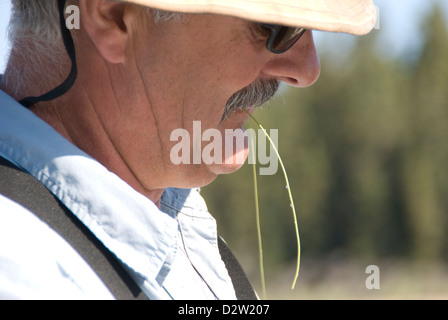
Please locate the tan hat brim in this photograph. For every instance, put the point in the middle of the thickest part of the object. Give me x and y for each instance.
(349, 16)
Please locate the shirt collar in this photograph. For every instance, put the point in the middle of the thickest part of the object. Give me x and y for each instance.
(126, 222)
(198, 231)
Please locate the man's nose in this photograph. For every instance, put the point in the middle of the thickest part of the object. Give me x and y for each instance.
(299, 66)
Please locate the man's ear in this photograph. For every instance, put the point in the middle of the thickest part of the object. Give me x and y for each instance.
(104, 23)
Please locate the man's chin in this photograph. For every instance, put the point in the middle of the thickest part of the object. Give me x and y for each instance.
(205, 176)
(234, 162)
(224, 168)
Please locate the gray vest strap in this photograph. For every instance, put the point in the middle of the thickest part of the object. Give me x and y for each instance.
(26, 190)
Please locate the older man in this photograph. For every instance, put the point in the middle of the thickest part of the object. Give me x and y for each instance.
(100, 141)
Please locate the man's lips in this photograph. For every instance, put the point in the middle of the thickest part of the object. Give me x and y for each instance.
(250, 110)
(237, 119)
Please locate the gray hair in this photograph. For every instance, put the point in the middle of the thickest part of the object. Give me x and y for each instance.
(37, 18)
(40, 18)
(35, 35)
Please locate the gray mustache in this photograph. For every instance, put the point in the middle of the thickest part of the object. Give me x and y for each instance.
(253, 95)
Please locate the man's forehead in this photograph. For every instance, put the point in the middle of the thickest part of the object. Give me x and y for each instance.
(350, 16)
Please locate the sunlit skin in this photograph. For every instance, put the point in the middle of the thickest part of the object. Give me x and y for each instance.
(138, 81)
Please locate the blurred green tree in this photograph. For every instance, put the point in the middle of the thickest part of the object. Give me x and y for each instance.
(426, 153)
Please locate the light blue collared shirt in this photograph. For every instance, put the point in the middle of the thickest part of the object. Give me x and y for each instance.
(171, 252)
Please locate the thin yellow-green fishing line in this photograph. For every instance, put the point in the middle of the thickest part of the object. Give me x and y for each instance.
(290, 198)
(257, 214)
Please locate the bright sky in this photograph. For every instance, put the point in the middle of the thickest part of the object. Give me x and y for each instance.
(399, 24)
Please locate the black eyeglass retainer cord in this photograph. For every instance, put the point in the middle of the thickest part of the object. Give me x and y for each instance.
(64, 87)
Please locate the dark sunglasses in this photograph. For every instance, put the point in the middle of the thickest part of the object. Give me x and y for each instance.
(281, 38)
